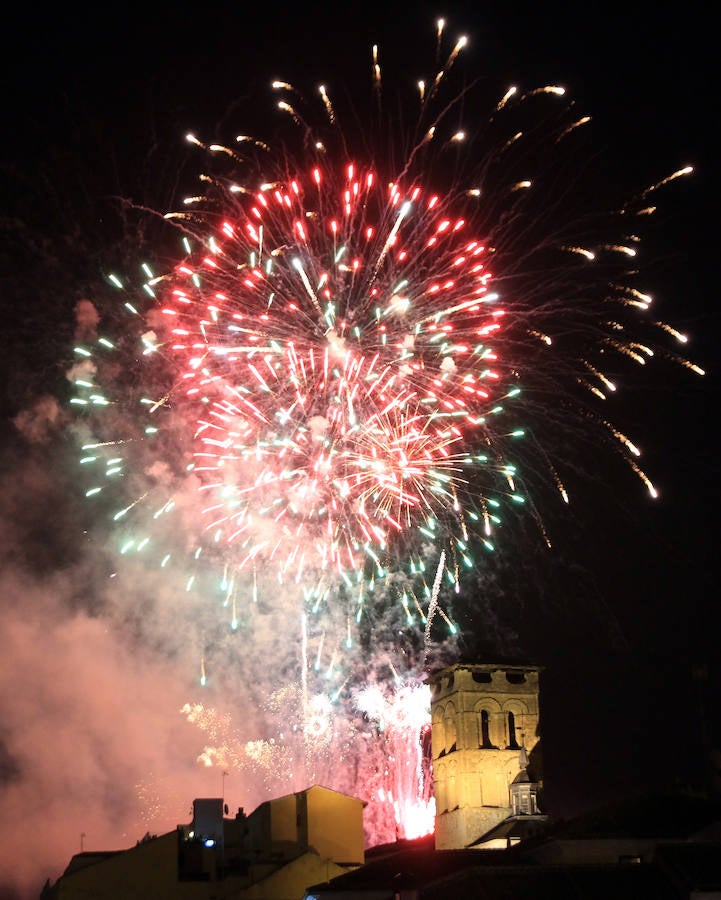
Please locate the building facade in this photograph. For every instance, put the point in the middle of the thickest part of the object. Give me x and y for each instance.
(275, 852)
(483, 716)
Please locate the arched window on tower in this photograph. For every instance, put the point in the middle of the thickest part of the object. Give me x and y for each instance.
(438, 733)
(512, 740)
(449, 726)
(485, 729)
(489, 724)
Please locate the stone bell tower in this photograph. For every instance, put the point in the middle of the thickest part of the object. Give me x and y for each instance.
(482, 716)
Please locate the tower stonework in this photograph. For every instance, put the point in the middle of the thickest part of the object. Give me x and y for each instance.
(482, 716)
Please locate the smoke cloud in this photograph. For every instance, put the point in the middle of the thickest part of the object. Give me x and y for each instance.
(123, 695)
(94, 748)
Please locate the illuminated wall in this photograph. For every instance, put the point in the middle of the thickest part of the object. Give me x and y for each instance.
(481, 716)
(316, 819)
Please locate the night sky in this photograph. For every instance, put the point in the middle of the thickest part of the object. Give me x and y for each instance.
(622, 613)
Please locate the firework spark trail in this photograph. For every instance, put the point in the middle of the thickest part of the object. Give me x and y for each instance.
(333, 371)
(432, 605)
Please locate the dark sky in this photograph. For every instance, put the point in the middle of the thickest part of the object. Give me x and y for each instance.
(95, 106)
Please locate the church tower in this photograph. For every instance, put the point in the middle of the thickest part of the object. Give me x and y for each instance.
(484, 718)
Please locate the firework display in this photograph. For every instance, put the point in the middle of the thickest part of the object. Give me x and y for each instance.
(358, 369)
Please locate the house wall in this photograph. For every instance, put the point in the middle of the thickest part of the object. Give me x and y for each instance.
(335, 825)
(285, 845)
(150, 869)
(284, 821)
(291, 881)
